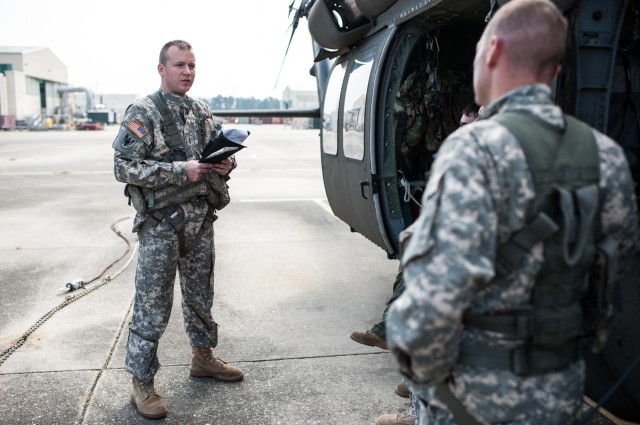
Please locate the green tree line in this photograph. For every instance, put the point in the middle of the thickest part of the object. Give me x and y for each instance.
(230, 103)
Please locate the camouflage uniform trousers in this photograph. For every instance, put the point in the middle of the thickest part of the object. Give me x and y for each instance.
(155, 276)
(380, 328)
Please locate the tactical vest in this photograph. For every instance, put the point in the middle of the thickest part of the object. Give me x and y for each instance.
(571, 299)
(173, 194)
(163, 203)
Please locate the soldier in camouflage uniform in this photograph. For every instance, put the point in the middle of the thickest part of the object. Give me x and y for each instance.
(480, 192)
(181, 239)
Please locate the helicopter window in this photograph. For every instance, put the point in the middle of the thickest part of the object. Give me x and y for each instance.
(331, 109)
(354, 105)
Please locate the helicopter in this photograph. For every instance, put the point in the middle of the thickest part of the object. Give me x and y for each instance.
(365, 51)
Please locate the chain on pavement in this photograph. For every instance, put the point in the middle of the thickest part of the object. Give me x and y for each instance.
(71, 298)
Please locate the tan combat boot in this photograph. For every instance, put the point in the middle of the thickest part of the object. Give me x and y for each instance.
(402, 390)
(370, 339)
(204, 363)
(403, 418)
(147, 401)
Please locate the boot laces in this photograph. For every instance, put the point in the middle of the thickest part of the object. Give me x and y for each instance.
(148, 389)
(209, 357)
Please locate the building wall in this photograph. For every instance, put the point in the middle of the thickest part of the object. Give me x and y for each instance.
(118, 102)
(300, 99)
(21, 85)
(13, 59)
(31, 98)
(4, 96)
(16, 97)
(44, 65)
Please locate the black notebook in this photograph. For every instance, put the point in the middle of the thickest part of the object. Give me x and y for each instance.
(225, 144)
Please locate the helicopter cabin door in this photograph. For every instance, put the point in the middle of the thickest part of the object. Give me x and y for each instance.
(348, 133)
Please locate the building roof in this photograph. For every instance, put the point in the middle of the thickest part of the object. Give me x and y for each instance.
(19, 49)
(35, 61)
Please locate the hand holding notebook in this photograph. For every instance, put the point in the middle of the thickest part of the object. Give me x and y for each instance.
(225, 144)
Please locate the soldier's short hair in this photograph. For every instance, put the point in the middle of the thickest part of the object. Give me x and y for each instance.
(180, 44)
(535, 32)
(471, 110)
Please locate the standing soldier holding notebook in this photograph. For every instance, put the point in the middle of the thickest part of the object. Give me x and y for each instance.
(175, 196)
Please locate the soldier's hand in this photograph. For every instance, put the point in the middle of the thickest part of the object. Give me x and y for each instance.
(223, 168)
(195, 170)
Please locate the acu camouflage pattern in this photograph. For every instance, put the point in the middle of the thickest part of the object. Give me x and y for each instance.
(155, 276)
(478, 193)
(145, 161)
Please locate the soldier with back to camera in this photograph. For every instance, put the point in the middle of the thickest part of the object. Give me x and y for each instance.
(508, 265)
(175, 196)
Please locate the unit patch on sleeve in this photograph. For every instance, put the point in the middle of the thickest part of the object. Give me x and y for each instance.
(136, 128)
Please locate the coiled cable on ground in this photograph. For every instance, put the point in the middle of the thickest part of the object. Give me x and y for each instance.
(71, 298)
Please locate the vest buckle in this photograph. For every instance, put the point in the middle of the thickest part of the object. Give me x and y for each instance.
(520, 361)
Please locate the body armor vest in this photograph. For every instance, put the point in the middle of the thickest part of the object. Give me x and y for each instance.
(160, 198)
(214, 188)
(570, 300)
(163, 203)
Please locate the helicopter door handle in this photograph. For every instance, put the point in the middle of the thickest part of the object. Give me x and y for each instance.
(363, 183)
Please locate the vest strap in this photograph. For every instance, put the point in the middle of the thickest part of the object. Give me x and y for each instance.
(174, 138)
(154, 218)
(511, 252)
(518, 325)
(459, 412)
(551, 296)
(577, 226)
(522, 361)
(564, 175)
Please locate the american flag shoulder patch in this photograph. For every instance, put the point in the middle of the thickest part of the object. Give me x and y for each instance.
(137, 128)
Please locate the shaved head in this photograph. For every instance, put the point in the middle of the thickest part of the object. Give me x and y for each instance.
(534, 34)
(522, 44)
(180, 44)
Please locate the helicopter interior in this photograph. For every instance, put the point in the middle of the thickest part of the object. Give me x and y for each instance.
(388, 106)
(393, 98)
(429, 82)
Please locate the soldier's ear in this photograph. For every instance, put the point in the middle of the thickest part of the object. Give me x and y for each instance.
(494, 52)
(161, 69)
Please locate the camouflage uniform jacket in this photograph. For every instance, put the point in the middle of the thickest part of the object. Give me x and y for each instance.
(142, 157)
(479, 190)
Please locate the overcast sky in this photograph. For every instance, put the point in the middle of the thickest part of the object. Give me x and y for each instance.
(112, 47)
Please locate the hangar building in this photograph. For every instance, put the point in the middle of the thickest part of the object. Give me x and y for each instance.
(29, 81)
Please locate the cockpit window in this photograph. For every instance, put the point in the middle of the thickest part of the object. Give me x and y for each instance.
(354, 105)
(330, 110)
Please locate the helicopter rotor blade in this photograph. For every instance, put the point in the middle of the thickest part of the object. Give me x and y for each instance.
(300, 11)
(291, 8)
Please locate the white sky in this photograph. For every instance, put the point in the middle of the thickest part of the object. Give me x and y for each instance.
(112, 47)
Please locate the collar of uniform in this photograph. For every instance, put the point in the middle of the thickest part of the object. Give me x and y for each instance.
(532, 98)
(177, 101)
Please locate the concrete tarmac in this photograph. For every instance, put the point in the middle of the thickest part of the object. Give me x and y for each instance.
(291, 284)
